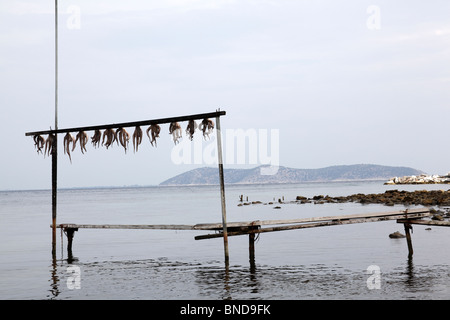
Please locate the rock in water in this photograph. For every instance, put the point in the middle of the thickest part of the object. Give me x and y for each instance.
(396, 235)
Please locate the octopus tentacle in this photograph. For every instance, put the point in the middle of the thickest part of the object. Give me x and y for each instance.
(190, 129)
(109, 134)
(207, 127)
(39, 142)
(123, 138)
(96, 138)
(85, 140)
(83, 137)
(137, 138)
(155, 129)
(175, 131)
(68, 139)
(49, 144)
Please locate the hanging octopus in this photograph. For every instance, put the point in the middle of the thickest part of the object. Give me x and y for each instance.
(96, 138)
(207, 127)
(68, 139)
(190, 129)
(83, 137)
(110, 136)
(39, 142)
(49, 144)
(155, 129)
(137, 138)
(175, 131)
(123, 137)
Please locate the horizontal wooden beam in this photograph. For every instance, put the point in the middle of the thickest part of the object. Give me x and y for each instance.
(425, 222)
(203, 226)
(334, 222)
(409, 212)
(126, 226)
(131, 124)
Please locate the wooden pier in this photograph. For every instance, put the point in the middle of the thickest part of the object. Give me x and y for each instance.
(252, 228)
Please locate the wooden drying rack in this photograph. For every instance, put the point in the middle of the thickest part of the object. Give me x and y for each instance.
(54, 152)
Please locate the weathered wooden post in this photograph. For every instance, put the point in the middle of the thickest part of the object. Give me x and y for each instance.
(408, 239)
(70, 232)
(54, 191)
(55, 140)
(251, 246)
(222, 189)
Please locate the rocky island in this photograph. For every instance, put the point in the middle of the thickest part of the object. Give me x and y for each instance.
(209, 176)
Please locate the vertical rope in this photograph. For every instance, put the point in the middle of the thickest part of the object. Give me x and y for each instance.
(56, 64)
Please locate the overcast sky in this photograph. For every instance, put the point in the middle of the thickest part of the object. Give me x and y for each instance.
(342, 82)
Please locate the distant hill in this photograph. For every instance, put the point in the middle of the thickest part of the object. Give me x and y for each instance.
(210, 176)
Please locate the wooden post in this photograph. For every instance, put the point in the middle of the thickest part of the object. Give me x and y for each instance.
(70, 232)
(55, 141)
(251, 248)
(408, 239)
(222, 189)
(54, 192)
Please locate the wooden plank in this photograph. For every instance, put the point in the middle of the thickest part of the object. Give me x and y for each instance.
(218, 226)
(208, 226)
(126, 226)
(153, 226)
(425, 222)
(308, 225)
(132, 124)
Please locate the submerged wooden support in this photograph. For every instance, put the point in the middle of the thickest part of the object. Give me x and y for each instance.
(251, 244)
(408, 239)
(70, 232)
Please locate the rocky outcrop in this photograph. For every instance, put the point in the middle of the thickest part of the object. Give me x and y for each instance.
(427, 198)
(390, 198)
(420, 179)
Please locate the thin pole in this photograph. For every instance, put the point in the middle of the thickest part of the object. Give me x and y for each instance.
(222, 190)
(56, 64)
(55, 143)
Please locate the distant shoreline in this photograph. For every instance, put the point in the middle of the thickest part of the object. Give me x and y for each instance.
(356, 172)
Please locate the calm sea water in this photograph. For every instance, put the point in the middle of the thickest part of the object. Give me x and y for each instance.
(317, 263)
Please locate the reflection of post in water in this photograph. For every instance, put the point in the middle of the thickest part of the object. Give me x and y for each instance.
(226, 282)
(54, 279)
(410, 271)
